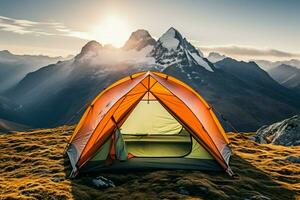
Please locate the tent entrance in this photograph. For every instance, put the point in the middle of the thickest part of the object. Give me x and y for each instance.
(151, 131)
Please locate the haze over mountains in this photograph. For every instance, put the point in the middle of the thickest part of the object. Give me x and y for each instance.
(287, 75)
(13, 68)
(268, 65)
(264, 64)
(244, 93)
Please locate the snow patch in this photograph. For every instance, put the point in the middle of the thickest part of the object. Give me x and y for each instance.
(168, 40)
(201, 62)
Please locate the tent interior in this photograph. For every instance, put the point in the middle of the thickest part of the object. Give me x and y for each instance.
(152, 134)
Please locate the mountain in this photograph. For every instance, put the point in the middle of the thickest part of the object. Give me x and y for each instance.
(139, 40)
(52, 94)
(14, 67)
(245, 94)
(92, 48)
(172, 49)
(286, 75)
(268, 65)
(249, 72)
(215, 57)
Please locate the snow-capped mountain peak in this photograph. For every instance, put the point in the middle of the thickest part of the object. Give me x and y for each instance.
(170, 39)
(173, 49)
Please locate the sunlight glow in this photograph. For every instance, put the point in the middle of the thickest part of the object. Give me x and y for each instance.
(112, 30)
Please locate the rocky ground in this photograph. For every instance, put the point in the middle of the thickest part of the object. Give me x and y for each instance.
(32, 167)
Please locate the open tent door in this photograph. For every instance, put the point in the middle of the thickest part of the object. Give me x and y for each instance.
(150, 131)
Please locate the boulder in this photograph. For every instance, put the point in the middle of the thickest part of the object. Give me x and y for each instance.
(293, 159)
(286, 133)
(102, 182)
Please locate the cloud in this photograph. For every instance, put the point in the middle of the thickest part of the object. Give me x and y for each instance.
(244, 51)
(22, 26)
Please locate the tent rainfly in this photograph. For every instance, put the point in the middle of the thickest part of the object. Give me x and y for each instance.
(148, 120)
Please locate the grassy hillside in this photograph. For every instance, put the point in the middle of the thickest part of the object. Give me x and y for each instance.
(32, 167)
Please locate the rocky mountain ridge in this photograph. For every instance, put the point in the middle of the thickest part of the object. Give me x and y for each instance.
(286, 133)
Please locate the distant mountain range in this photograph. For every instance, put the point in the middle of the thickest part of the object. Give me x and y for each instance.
(268, 65)
(264, 64)
(286, 73)
(244, 93)
(13, 68)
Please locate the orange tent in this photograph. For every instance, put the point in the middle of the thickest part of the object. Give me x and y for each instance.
(185, 135)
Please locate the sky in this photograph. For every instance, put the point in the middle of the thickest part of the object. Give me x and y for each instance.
(245, 29)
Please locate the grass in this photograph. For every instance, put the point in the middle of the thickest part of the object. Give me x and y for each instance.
(32, 167)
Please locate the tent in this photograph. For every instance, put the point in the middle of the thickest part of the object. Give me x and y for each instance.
(148, 120)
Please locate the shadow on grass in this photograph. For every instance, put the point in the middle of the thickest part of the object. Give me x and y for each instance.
(251, 183)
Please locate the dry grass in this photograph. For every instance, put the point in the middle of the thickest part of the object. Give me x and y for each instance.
(32, 167)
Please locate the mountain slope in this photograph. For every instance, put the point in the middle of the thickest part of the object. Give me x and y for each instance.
(9, 126)
(33, 167)
(11, 111)
(287, 76)
(14, 67)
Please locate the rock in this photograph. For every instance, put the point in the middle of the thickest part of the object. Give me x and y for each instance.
(202, 189)
(58, 179)
(293, 159)
(279, 161)
(191, 187)
(101, 182)
(183, 190)
(286, 133)
(183, 182)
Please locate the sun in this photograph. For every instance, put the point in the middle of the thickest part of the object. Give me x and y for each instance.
(112, 30)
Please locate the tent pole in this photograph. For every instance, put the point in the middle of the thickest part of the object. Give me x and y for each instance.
(148, 88)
